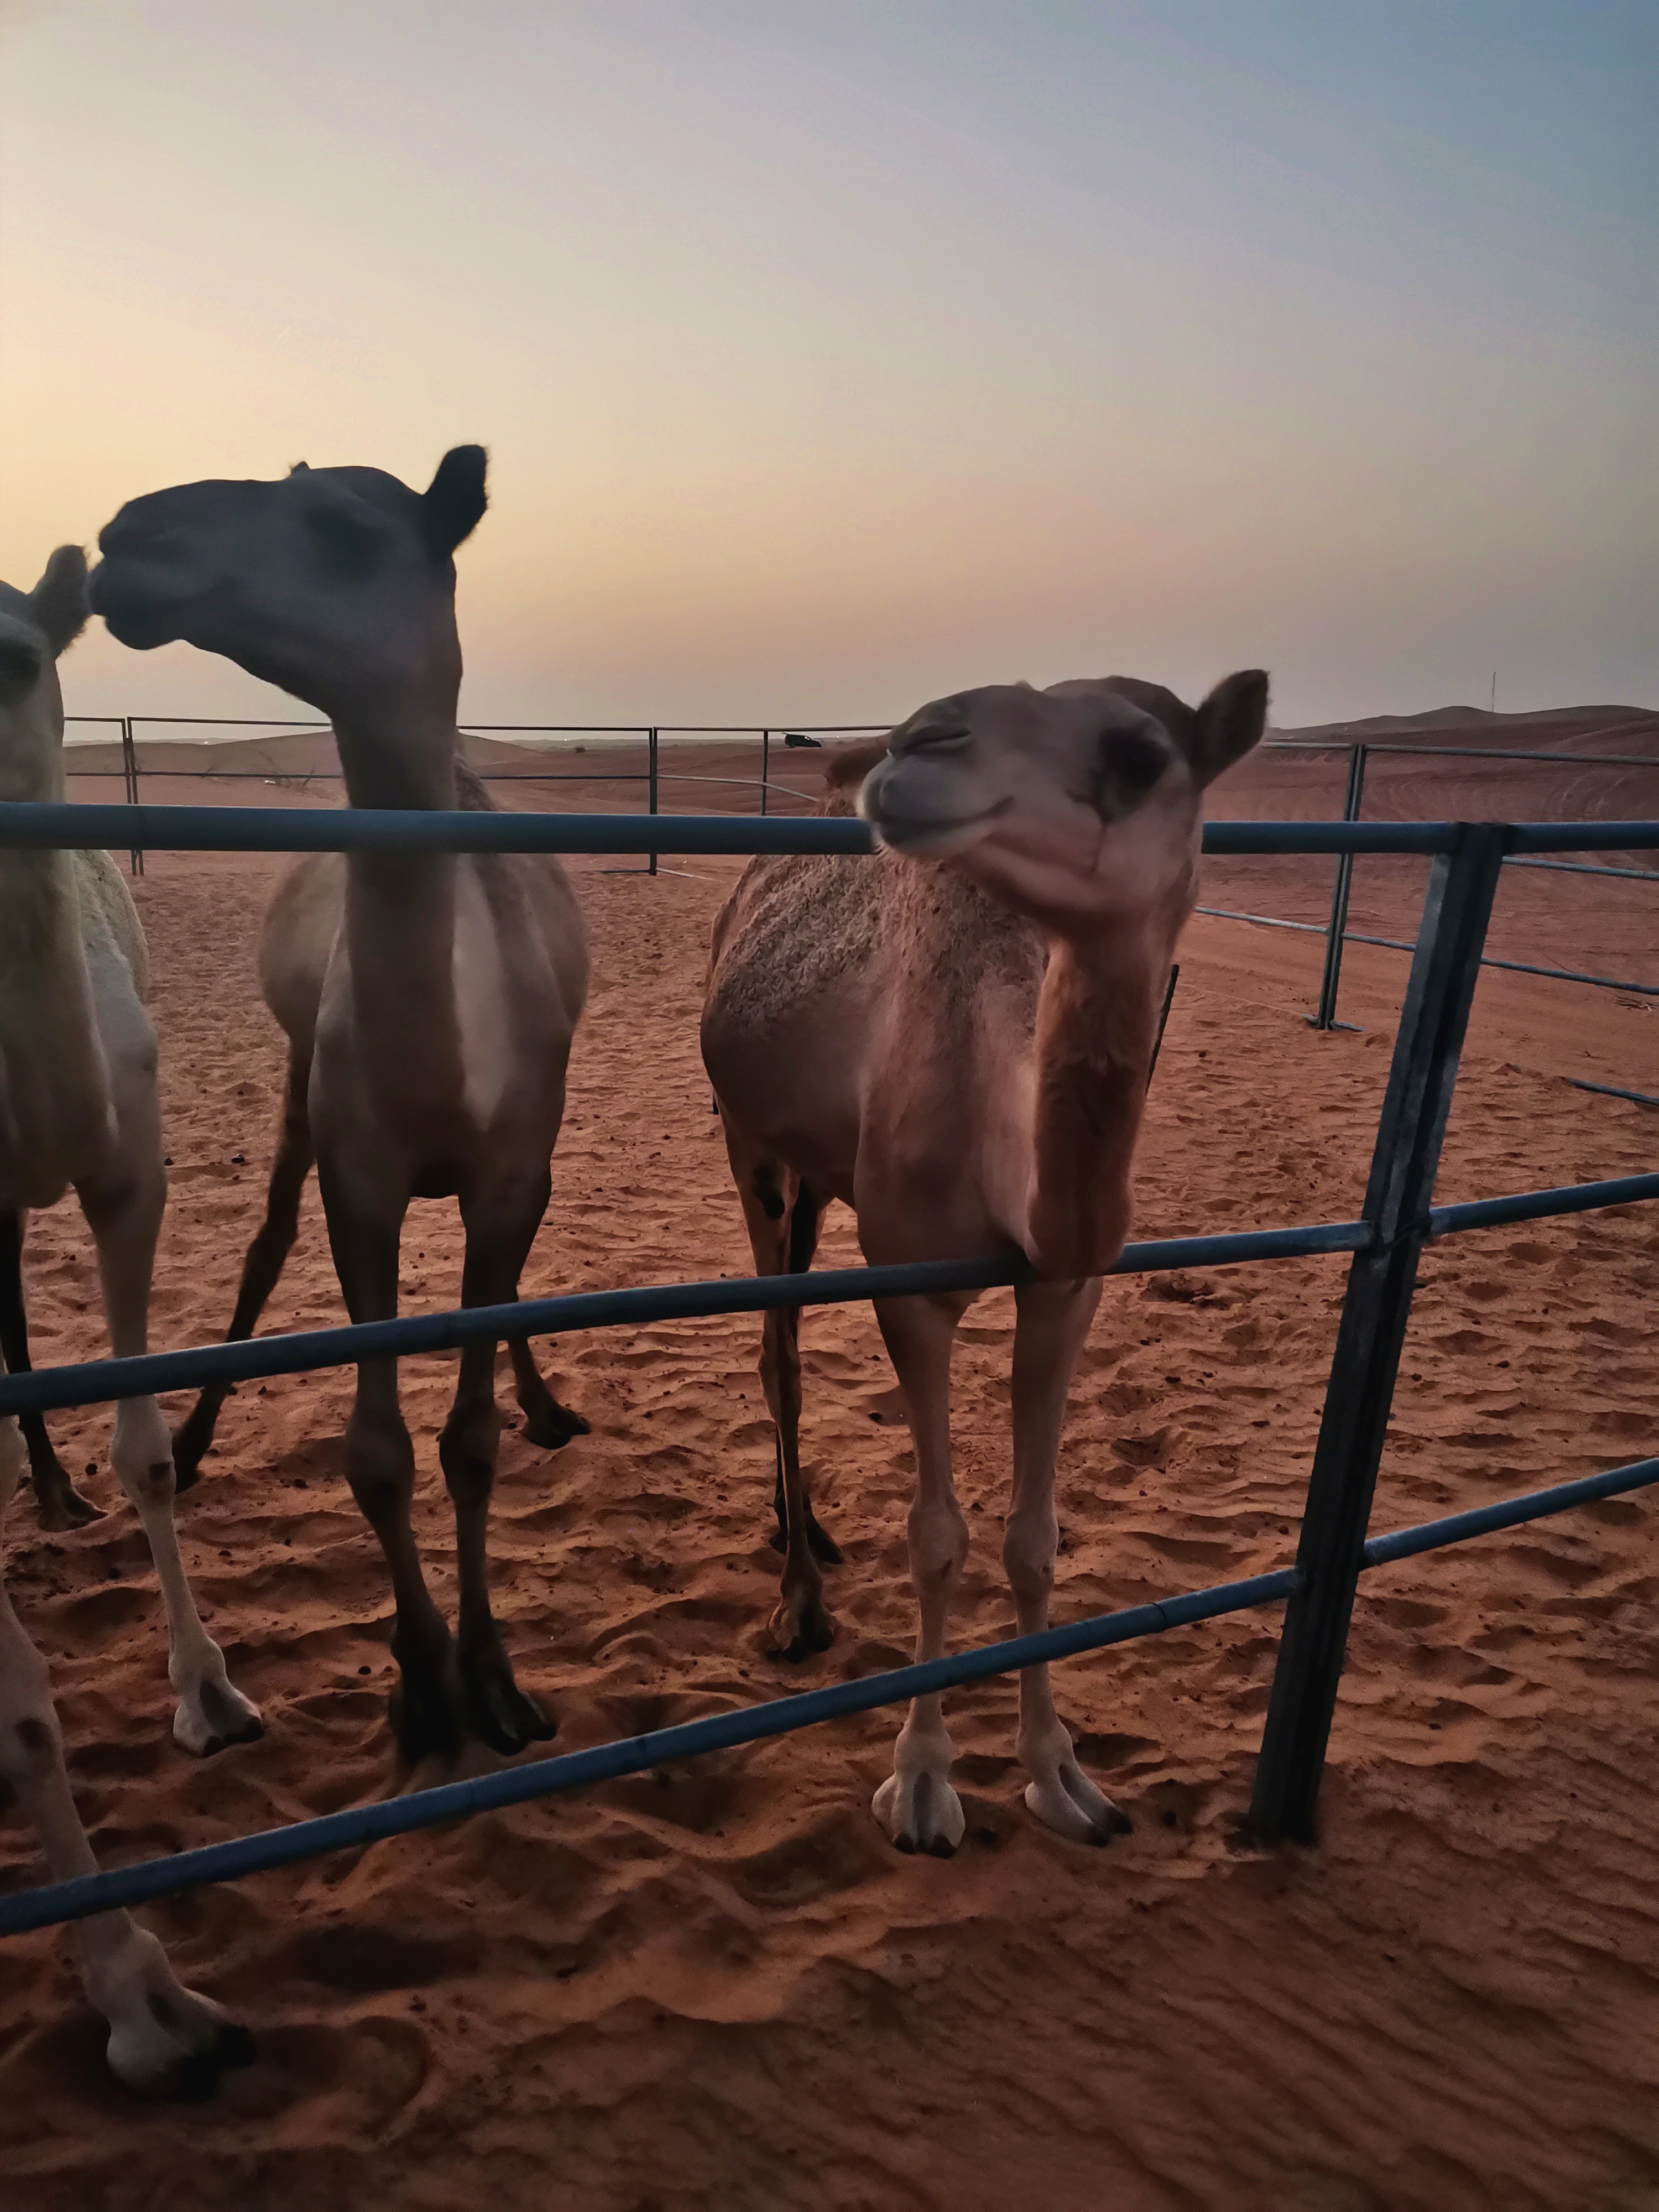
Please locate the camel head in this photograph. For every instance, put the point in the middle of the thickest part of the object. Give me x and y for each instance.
(337, 585)
(35, 627)
(1078, 806)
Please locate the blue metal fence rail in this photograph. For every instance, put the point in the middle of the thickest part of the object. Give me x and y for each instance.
(1334, 1548)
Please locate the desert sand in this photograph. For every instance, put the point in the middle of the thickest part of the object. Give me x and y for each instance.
(717, 1986)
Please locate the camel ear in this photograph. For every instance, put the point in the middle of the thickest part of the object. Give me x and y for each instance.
(453, 504)
(58, 605)
(1230, 720)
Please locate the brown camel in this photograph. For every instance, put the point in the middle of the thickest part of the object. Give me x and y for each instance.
(428, 1003)
(959, 1052)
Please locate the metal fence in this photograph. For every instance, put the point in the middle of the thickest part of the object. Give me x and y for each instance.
(1334, 1549)
(1335, 930)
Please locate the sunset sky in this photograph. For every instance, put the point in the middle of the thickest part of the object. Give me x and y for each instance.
(832, 355)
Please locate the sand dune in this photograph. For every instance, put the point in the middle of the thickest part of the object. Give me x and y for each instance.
(717, 1986)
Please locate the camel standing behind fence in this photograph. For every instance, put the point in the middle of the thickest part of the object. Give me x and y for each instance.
(959, 1052)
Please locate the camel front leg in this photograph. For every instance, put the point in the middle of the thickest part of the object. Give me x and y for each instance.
(124, 1220)
(1053, 1321)
(363, 1231)
(164, 2039)
(916, 1805)
(499, 1234)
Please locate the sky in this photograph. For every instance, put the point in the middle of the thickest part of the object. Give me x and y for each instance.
(832, 357)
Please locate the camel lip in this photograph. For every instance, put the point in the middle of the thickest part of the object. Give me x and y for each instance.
(133, 616)
(925, 835)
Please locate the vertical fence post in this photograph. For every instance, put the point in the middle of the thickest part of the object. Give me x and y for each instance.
(1372, 1330)
(1326, 1017)
(766, 761)
(130, 771)
(651, 803)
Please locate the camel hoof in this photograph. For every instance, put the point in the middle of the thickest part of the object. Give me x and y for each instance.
(552, 1426)
(1069, 1803)
(425, 1719)
(497, 1711)
(797, 1631)
(167, 2042)
(215, 1718)
(919, 1812)
(61, 1507)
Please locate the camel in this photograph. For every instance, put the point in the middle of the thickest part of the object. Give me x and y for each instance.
(953, 1038)
(78, 1106)
(428, 1002)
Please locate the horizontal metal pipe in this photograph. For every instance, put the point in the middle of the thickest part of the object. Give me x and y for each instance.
(1509, 1512)
(96, 1382)
(1456, 752)
(1585, 837)
(1580, 868)
(57, 1902)
(1541, 1205)
(414, 830)
(547, 1778)
(1612, 1090)
(1404, 945)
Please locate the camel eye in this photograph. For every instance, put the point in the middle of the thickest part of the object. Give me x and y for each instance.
(1131, 763)
(943, 737)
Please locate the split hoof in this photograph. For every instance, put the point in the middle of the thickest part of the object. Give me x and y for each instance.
(498, 1712)
(800, 1629)
(1069, 1803)
(919, 1812)
(165, 2043)
(59, 1506)
(552, 1426)
(215, 1718)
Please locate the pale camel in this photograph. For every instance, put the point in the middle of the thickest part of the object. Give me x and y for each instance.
(428, 1002)
(960, 1053)
(78, 1106)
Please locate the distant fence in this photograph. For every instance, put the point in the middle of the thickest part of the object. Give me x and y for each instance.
(1335, 931)
(1397, 1219)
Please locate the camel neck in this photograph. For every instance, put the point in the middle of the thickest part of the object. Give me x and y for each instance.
(401, 755)
(1097, 1019)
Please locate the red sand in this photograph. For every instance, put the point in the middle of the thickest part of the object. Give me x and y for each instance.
(718, 1986)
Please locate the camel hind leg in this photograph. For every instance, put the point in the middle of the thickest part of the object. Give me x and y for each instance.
(782, 1218)
(261, 1268)
(59, 1502)
(546, 1422)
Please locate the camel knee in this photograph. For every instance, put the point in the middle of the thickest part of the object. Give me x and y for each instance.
(31, 1744)
(939, 1549)
(380, 1467)
(1030, 1542)
(141, 1453)
(466, 1450)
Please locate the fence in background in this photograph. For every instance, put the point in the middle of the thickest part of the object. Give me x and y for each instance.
(1336, 931)
(1397, 1219)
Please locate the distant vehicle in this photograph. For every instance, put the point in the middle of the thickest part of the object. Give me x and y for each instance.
(801, 743)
